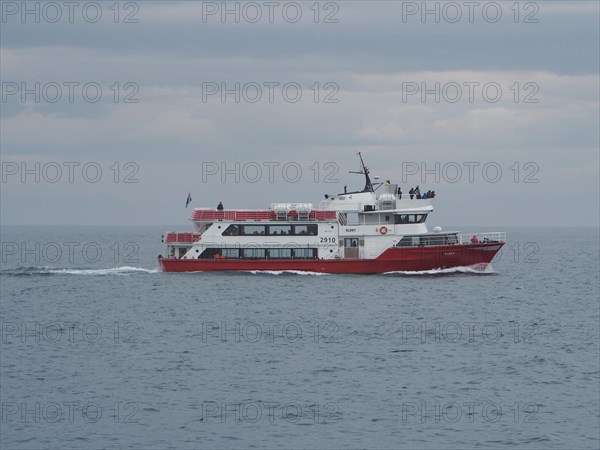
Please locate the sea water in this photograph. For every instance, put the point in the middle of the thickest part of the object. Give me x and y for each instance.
(99, 349)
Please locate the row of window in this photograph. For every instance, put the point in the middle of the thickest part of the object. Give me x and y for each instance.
(259, 253)
(409, 218)
(272, 230)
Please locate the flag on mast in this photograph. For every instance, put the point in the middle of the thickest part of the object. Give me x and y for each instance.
(189, 199)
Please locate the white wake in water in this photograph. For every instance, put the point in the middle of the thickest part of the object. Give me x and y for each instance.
(284, 272)
(478, 269)
(124, 270)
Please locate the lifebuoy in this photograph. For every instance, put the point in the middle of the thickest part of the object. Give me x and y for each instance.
(383, 230)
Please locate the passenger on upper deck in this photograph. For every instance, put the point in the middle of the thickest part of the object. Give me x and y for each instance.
(399, 193)
(411, 193)
(220, 206)
(418, 192)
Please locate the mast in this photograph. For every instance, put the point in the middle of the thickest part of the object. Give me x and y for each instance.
(365, 171)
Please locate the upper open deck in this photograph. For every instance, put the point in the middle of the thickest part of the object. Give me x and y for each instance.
(213, 215)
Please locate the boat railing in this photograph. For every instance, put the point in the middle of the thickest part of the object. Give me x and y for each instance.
(171, 237)
(404, 203)
(211, 215)
(445, 239)
(493, 236)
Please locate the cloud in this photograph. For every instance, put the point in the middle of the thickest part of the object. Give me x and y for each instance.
(176, 126)
(374, 60)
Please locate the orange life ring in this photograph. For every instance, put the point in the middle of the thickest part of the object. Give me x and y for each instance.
(383, 230)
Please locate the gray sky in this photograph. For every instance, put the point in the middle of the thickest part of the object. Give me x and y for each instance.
(517, 94)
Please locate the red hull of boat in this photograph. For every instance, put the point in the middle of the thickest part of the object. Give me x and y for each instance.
(393, 259)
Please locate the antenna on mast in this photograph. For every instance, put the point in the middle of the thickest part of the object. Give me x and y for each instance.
(364, 171)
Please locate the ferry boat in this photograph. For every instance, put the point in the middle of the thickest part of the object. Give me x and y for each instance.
(360, 232)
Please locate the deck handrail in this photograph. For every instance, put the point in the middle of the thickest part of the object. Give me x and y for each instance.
(488, 236)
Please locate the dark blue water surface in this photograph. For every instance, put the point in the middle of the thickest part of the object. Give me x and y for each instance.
(103, 351)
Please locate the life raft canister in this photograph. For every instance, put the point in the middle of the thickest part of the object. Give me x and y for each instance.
(383, 230)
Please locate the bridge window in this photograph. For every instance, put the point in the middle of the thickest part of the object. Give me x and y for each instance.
(409, 218)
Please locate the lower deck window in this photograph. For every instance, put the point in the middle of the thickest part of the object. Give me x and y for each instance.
(209, 253)
(258, 253)
(231, 253)
(305, 253)
(280, 253)
(254, 253)
(217, 253)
